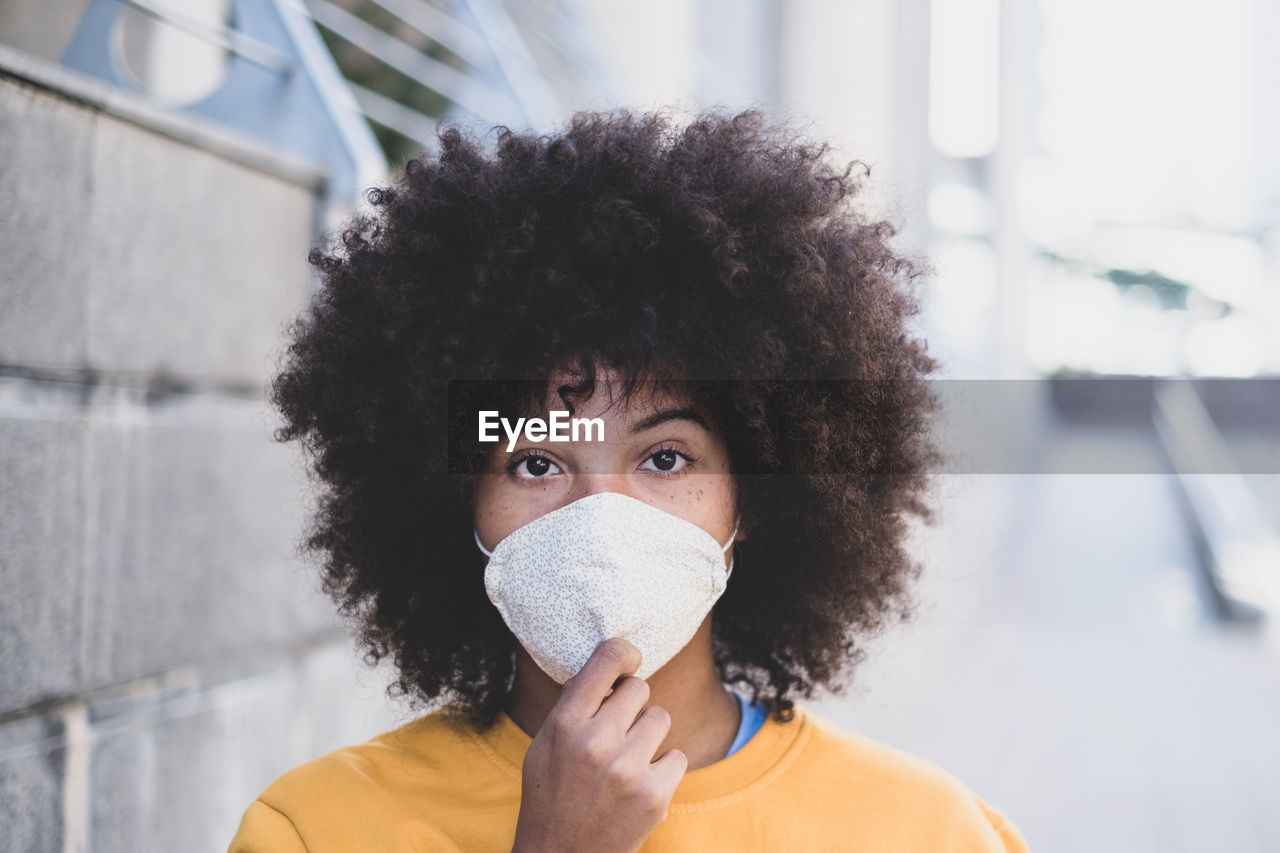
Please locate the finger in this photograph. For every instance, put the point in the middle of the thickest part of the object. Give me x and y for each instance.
(586, 689)
(649, 731)
(670, 768)
(625, 702)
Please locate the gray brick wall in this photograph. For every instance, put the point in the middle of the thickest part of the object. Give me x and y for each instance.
(163, 654)
(137, 254)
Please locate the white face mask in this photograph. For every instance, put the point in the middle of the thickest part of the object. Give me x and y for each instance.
(604, 566)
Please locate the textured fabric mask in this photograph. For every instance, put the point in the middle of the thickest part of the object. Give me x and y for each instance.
(604, 566)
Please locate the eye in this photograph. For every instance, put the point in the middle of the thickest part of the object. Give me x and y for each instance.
(668, 462)
(532, 466)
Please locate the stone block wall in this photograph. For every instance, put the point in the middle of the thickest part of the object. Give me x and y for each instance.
(164, 654)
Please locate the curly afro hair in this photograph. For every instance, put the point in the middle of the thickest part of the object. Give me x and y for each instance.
(725, 250)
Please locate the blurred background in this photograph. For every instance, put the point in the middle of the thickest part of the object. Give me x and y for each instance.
(1096, 186)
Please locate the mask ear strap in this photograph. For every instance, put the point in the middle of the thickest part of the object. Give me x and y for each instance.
(732, 536)
(476, 533)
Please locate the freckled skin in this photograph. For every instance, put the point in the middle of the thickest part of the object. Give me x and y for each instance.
(704, 715)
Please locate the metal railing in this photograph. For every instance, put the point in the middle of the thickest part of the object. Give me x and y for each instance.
(284, 87)
(280, 86)
(496, 79)
(1240, 546)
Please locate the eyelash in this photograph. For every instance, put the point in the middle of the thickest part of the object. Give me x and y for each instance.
(525, 455)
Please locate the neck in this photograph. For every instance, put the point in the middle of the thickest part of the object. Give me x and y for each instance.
(704, 715)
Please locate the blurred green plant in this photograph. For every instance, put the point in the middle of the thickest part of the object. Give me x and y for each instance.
(1171, 293)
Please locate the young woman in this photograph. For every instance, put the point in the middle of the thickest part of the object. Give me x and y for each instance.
(606, 423)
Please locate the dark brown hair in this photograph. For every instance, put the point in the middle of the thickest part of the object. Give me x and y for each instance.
(725, 249)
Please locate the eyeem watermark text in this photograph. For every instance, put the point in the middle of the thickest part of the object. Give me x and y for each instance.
(558, 427)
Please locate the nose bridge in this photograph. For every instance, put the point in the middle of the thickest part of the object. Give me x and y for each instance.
(596, 482)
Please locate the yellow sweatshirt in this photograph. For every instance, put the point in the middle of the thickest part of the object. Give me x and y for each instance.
(800, 785)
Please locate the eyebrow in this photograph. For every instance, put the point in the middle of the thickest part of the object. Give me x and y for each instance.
(681, 414)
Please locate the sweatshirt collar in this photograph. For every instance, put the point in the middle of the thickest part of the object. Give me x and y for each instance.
(757, 763)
